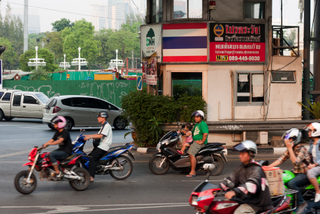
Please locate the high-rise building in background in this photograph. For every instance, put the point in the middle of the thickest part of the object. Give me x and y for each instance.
(33, 16)
(111, 14)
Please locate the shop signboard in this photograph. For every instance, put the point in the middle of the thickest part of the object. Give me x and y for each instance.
(233, 42)
(149, 69)
(151, 40)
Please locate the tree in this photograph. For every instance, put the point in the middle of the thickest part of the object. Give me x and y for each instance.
(81, 35)
(39, 74)
(12, 31)
(9, 56)
(62, 24)
(55, 45)
(42, 53)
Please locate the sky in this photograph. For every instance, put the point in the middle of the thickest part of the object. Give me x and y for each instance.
(53, 10)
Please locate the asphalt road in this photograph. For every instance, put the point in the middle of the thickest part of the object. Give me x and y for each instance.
(142, 192)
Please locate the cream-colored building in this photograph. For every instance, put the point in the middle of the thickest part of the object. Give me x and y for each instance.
(228, 46)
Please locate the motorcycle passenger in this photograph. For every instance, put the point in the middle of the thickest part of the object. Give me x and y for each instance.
(61, 138)
(199, 134)
(105, 137)
(300, 159)
(314, 168)
(248, 183)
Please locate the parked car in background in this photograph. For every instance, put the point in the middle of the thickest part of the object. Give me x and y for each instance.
(22, 104)
(82, 111)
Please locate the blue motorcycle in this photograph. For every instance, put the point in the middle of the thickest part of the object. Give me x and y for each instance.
(115, 162)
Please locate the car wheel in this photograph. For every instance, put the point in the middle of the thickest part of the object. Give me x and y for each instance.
(69, 124)
(1, 115)
(51, 126)
(120, 123)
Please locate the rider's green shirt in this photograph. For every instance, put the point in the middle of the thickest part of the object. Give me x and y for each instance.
(198, 130)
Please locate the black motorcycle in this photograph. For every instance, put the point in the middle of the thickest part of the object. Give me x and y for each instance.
(167, 156)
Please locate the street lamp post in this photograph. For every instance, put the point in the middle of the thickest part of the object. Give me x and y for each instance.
(79, 58)
(36, 57)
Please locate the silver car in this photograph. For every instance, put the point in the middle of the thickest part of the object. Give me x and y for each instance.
(82, 111)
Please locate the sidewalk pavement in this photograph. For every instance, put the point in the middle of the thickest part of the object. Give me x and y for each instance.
(261, 150)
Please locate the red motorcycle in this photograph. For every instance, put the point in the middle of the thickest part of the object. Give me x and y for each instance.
(26, 182)
(209, 198)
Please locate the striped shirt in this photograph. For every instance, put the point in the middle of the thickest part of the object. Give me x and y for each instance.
(302, 161)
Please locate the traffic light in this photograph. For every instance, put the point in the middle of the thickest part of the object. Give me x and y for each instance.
(2, 49)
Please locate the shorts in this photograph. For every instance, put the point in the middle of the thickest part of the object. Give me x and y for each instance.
(195, 148)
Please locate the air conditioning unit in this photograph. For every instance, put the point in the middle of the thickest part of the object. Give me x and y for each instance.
(259, 137)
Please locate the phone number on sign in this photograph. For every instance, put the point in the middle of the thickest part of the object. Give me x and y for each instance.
(244, 58)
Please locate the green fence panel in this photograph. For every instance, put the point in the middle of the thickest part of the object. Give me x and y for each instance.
(110, 90)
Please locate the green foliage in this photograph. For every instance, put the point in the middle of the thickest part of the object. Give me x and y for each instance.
(81, 35)
(42, 53)
(12, 38)
(40, 74)
(59, 25)
(314, 109)
(148, 112)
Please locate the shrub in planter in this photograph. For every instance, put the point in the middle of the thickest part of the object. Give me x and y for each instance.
(148, 112)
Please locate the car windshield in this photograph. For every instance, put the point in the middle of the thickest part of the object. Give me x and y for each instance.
(42, 97)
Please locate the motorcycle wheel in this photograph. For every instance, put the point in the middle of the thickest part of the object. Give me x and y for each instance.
(154, 165)
(21, 185)
(218, 162)
(82, 184)
(123, 162)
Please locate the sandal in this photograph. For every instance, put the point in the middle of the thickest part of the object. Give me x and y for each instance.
(179, 151)
(190, 176)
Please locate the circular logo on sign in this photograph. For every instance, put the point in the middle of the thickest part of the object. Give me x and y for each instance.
(218, 30)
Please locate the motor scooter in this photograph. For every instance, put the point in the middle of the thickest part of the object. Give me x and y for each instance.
(208, 198)
(167, 156)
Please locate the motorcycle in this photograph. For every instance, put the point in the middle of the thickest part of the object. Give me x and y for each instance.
(168, 156)
(114, 162)
(209, 198)
(307, 190)
(25, 181)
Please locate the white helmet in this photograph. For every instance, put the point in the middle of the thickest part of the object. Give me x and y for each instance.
(293, 134)
(198, 113)
(246, 145)
(314, 128)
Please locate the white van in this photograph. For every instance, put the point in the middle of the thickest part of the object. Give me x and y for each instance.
(24, 104)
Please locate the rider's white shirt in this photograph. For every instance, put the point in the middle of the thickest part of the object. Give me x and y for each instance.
(106, 140)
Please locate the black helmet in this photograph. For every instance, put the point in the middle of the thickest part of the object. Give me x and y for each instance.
(103, 114)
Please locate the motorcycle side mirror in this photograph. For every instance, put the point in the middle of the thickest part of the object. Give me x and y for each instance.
(208, 167)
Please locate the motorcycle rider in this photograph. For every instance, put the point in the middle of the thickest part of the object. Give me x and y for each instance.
(248, 182)
(300, 159)
(61, 138)
(105, 137)
(199, 134)
(314, 168)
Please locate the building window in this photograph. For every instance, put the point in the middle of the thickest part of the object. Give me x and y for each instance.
(186, 83)
(249, 88)
(156, 11)
(187, 9)
(254, 9)
(283, 77)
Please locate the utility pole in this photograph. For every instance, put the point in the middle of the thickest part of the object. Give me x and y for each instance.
(25, 27)
(306, 59)
(316, 54)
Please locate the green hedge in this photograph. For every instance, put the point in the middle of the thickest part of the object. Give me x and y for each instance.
(148, 112)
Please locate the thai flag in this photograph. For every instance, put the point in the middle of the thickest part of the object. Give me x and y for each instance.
(185, 42)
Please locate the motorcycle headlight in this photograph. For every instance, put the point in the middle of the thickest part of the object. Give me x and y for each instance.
(194, 200)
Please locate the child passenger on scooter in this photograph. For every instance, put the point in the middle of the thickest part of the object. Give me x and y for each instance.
(187, 142)
(314, 168)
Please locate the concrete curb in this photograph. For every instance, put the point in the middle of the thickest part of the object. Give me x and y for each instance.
(268, 150)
